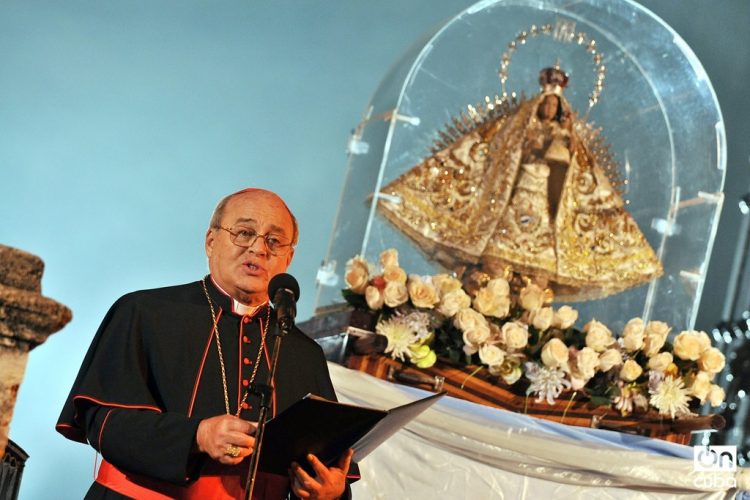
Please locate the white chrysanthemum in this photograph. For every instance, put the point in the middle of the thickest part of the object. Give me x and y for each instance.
(671, 397)
(629, 399)
(399, 336)
(546, 383)
(419, 323)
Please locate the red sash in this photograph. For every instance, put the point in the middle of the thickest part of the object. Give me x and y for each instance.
(217, 482)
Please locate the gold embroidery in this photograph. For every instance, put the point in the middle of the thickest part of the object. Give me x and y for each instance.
(525, 185)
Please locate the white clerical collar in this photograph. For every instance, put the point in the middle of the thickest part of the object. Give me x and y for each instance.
(237, 306)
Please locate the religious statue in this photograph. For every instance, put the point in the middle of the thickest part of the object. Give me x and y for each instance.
(524, 185)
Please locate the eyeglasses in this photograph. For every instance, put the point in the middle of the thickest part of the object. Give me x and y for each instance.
(244, 237)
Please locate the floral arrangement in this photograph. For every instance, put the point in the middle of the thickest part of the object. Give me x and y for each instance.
(507, 326)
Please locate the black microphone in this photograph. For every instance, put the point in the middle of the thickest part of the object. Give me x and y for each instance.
(283, 290)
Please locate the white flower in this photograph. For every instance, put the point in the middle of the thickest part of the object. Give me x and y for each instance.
(421, 292)
(452, 302)
(555, 354)
(493, 299)
(690, 344)
(586, 363)
(419, 323)
(399, 336)
(630, 371)
(475, 329)
(491, 355)
(598, 336)
(712, 361)
(630, 397)
(394, 274)
(515, 335)
(654, 337)
(546, 383)
(565, 317)
(531, 297)
(374, 297)
(701, 386)
(389, 257)
(446, 284)
(542, 318)
(395, 294)
(671, 397)
(660, 362)
(633, 335)
(716, 395)
(609, 359)
(357, 274)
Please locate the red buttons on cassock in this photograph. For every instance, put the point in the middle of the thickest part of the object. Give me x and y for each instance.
(246, 319)
(245, 406)
(245, 339)
(246, 361)
(245, 382)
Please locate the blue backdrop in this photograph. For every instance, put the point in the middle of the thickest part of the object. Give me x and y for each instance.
(123, 123)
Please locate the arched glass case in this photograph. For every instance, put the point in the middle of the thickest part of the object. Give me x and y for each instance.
(654, 109)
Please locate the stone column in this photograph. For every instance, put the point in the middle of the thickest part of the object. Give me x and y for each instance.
(26, 320)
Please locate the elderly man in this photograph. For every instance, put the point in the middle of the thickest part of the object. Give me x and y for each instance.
(163, 391)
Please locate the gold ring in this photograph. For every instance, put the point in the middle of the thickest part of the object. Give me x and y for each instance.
(232, 451)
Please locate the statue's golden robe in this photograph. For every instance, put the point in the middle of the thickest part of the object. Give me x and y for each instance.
(521, 191)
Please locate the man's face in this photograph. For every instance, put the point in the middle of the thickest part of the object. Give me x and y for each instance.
(244, 273)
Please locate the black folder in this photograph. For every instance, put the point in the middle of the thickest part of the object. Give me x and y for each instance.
(328, 428)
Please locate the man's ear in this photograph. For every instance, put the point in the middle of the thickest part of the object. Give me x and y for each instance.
(210, 238)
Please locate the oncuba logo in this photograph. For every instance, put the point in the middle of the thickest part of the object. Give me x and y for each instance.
(714, 458)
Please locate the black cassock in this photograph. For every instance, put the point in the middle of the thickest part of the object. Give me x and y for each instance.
(153, 373)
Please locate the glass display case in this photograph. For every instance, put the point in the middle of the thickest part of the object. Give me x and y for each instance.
(657, 112)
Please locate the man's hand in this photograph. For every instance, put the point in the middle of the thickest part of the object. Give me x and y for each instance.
(328, 484)
(223, 436)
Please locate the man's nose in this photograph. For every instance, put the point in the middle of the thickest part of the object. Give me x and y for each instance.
(258, 246)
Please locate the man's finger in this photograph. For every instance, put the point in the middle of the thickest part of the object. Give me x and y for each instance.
(320, 469)
(345, 460)
(307, 482)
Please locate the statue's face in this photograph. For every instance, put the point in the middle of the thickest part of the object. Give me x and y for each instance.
(548, 107)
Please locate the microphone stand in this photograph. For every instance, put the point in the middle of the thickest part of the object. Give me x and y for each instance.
(265, 392)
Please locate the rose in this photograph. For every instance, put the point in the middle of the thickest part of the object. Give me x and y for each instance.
(421, 292)
(531, 297)
(389, 257)
(701, 386)
(493, 299)
(395, 294)
(586, 363)
(555, 354)
(716, 395)
(374, 297)
(453, 301)
(609, 359)
(357, 274)
(690, 344)
(491, 355)
(633, 334)
(445, 284)
(660, 362)
(510, 371)
(630, 371)
(712, 361)
(515, 335)
(655, 336)
(542, 318)
(475, 329)
(394, 274)
(598, 336)
(565, 317)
